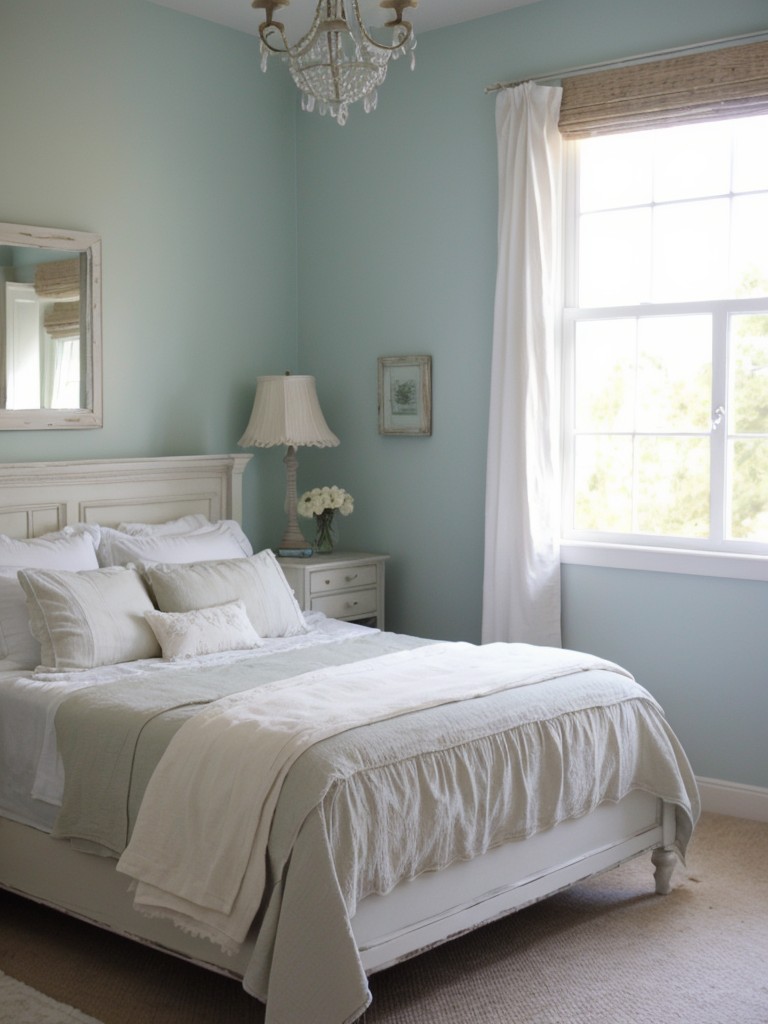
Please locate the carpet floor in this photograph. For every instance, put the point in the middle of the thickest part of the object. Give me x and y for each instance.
(608, 951)
(20, 1004)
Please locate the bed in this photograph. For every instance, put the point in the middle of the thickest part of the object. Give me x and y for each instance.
(411, 818)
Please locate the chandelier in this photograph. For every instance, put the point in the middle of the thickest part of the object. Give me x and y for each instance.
(337, 62)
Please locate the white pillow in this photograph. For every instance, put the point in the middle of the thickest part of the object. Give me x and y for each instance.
(86, 619)
(224, 539)
(257, 581)
(225, 627)
(185, 524)
(18, 648)
(72, 548)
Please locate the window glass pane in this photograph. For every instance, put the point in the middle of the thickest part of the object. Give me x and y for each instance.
(749, 262)
(748, 493)
(674, 385)
(692, 161)
(749, 376)
(673, 226)
(616, 170)
(604, 375)
(615, 258)
(690, 251)
(750, 154)
(673, 486)
(603, 484)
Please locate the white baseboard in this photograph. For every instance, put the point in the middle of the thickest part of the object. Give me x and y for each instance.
(733, 798)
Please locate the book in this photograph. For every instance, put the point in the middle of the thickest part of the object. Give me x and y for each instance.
(295, 552)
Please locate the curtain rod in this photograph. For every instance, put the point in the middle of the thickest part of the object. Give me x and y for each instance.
(627, 61)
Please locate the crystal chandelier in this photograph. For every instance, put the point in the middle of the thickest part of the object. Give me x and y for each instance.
(337, 62)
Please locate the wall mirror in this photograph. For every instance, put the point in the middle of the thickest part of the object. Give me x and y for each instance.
(50, 329)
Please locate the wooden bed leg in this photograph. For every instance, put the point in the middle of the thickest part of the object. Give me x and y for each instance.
(664, 862)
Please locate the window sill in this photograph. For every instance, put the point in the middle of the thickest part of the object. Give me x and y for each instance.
(697, 563)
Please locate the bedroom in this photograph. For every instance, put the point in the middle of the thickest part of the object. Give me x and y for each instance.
(233, 223)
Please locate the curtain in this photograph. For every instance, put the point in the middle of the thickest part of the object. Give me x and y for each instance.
(61, 373)
(521, 583)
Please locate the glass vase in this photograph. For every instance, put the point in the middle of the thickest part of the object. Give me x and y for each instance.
(324, 535)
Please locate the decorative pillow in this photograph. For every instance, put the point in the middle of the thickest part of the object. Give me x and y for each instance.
(86, 619)
(224, 539)
(186, 524)
(18, 648)
(72, 548)
(225, 627)
(257, 581)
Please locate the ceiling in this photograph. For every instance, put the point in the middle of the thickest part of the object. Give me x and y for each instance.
(239, 14)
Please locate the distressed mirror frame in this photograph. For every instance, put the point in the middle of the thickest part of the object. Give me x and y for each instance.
(89, 245)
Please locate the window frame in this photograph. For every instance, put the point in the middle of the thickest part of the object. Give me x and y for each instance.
(731, 559)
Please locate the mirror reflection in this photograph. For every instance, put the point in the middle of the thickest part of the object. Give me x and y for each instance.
(49, 328)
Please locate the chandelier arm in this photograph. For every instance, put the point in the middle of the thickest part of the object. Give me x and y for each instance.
(397, 23)
(306, 41)
(304, 45)
(273, 26)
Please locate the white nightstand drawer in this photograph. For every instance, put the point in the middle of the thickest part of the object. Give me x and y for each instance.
(328, 580)
(343, 585)
(354, 604)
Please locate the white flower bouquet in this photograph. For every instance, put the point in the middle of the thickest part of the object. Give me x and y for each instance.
(325, 499)
(323, 503)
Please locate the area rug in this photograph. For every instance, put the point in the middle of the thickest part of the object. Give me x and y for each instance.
(20, 1004)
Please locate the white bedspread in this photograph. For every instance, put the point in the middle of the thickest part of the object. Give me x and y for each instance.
(31, 772)
(198, 849)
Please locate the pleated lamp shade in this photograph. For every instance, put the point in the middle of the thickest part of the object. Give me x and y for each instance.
(286, 411)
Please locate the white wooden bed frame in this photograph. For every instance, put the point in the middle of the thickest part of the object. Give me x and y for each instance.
(38, 497)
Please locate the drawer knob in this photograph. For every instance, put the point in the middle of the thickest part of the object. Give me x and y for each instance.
(352, 578)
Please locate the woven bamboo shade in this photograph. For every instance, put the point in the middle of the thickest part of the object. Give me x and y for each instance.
(59, 279)
(729, 82)
(62, 320)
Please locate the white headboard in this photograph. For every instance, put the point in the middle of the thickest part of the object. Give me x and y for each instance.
(37, 497)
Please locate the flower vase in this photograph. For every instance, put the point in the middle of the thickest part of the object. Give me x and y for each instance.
(324, 532)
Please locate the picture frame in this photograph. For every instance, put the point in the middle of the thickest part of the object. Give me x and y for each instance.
(405, 396)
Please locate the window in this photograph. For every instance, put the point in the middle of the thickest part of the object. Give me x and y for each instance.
(666, 339)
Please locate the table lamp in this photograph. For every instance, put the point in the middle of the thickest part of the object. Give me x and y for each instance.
(286, 411)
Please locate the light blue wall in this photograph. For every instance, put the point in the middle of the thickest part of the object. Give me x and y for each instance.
(159, 132)
(397, 216)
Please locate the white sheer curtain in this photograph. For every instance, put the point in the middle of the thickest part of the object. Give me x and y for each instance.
(521, 586)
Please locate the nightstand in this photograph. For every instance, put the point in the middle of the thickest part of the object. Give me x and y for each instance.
(344, 585)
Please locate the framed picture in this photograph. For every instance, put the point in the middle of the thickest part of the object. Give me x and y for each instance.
(405, 395)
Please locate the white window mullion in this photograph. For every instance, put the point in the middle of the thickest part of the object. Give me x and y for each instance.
(567, 432)
(719, 503)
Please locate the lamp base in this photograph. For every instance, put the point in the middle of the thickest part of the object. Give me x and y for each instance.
(295, 552)
(293, 539)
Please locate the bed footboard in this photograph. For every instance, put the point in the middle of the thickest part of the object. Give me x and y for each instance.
(438, 906)
(415, 916)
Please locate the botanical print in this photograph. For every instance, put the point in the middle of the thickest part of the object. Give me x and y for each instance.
(403, 396)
